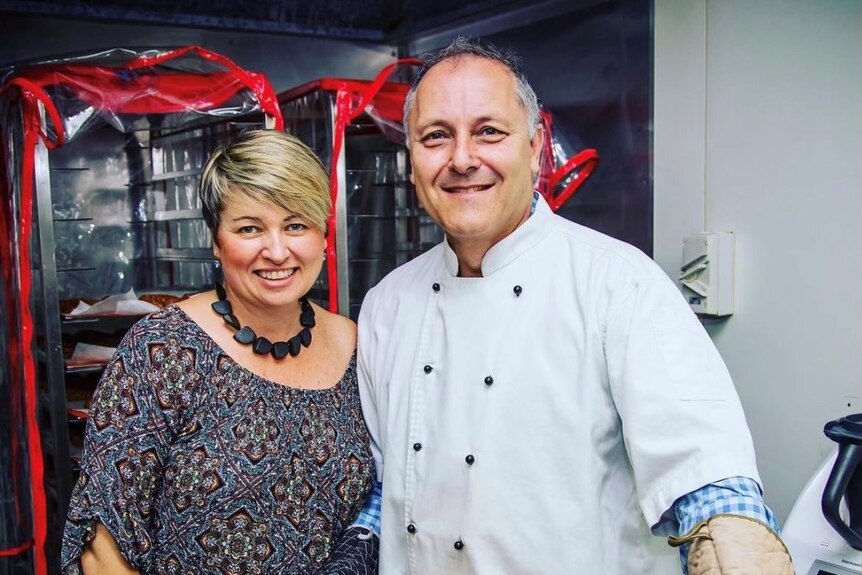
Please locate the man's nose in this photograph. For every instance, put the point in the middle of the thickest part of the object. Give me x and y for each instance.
(464, 158)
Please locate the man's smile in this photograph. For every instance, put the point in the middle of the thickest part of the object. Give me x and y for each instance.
(466, 189)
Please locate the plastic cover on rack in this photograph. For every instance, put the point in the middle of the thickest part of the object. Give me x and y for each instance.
(126, 88)
(56, 101)
(562, 171)
(386, 110)
(383, 100)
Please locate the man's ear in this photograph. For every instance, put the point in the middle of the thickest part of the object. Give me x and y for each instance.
(536, 144)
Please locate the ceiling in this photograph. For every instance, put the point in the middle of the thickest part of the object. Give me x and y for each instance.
(370, 20)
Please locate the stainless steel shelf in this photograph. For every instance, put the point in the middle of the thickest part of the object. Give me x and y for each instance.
(185, 254)
(169, 215)
(175, 175)
(164, 177)
(81, 369)
(87, 269)
(193, 214)
(409, 212)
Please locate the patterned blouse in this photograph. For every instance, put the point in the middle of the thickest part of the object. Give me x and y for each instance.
(197, 465)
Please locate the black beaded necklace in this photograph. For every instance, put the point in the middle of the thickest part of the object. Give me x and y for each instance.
(259, 344)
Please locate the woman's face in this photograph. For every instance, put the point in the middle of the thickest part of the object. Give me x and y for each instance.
(270, 258)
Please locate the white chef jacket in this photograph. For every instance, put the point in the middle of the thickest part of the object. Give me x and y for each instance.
(539, 419)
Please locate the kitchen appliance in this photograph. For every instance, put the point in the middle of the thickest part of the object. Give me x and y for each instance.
(824, 530)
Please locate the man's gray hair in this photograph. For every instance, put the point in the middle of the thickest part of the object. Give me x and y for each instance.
(461, 47)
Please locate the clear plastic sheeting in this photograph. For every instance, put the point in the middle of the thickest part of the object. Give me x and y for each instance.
(386, 110)
(112, 104)
(322, 113)
(125, 88)
(562, 169)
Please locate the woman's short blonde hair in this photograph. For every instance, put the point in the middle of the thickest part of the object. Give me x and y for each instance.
(270, 167)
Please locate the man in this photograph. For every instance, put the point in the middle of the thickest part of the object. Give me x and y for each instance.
(539, 396)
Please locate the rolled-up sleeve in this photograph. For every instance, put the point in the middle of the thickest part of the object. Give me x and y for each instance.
(683, 424)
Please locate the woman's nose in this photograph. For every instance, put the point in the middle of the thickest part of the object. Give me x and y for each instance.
(276, 248)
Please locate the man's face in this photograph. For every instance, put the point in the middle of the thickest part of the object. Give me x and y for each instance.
(472, 156)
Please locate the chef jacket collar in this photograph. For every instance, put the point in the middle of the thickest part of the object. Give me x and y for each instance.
(525, 236)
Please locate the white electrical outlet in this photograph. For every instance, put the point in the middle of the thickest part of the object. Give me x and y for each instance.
(707, 272)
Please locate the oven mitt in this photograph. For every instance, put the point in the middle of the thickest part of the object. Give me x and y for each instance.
(729, 544)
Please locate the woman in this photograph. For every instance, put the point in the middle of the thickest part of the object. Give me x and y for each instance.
(226, 434)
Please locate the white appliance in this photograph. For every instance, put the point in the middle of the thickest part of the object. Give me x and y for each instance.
(824, 530)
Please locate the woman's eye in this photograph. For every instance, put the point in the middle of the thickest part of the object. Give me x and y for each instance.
(248, 229)
(296, 227)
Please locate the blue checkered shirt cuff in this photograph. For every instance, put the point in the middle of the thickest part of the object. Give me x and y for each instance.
(736, 495)
(369, 517)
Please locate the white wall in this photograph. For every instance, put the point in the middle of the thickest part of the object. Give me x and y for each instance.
(758, 130)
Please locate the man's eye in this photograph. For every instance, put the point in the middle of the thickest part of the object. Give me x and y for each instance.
(489, 131)
(438, 135)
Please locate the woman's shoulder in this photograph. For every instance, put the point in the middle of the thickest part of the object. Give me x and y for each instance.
(161, 323)
(168, 327)
(339, 331)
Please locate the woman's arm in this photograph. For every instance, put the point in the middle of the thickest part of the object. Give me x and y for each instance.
(102, 556)
(127, 440)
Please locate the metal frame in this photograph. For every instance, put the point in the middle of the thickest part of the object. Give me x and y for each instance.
(57, 440)
(343, 270)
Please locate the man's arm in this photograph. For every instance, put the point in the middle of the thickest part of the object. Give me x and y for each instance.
(726, 524)
(662, 366)
(369, 517)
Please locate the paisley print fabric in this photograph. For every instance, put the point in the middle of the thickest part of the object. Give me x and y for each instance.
(196, 465)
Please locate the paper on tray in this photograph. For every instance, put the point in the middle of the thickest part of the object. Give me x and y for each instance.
(120, 304)
(88, 354)
(80, 309)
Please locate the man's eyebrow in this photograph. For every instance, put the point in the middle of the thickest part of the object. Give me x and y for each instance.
(442, 123)
(433, 123)
(494, 119)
